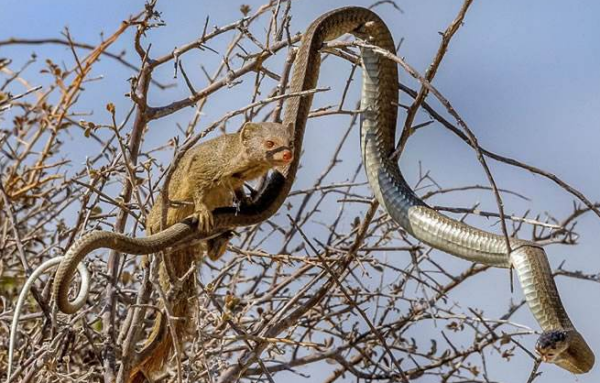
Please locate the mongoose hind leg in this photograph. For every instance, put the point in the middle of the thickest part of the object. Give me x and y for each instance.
(216, 247)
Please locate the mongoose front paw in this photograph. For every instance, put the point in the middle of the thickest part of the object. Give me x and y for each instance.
(206, 221)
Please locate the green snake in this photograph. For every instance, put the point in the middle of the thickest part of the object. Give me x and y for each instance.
(560, 342)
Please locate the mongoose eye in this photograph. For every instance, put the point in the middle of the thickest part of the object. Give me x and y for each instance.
(269, 144)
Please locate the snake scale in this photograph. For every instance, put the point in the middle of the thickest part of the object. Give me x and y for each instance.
(560, 342)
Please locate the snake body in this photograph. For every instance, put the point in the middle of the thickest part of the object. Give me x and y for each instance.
(560, 344)
(102, 239)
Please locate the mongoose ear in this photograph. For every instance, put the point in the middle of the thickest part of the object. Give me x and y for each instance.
(248, 129)
(290, 127)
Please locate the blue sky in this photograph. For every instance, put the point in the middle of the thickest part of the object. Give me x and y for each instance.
(524, 75)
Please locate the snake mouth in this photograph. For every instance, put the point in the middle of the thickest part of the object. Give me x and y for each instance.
(547, 355)
(547, 358)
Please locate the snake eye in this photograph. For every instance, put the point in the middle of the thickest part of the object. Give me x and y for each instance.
(269, 144)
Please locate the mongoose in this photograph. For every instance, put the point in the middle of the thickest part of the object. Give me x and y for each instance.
(210, 175)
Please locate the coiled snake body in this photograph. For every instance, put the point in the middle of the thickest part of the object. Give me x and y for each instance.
(560, 343)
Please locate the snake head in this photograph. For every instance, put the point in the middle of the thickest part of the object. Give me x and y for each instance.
(552, 344)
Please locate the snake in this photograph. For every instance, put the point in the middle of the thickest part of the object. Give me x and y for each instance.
(560, 343)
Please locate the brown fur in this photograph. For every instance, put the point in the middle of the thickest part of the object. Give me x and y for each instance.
(208, 176)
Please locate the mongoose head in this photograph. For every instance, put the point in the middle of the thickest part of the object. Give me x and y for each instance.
(268, 142)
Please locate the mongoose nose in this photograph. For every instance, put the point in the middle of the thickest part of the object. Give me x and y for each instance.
(287, 155)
